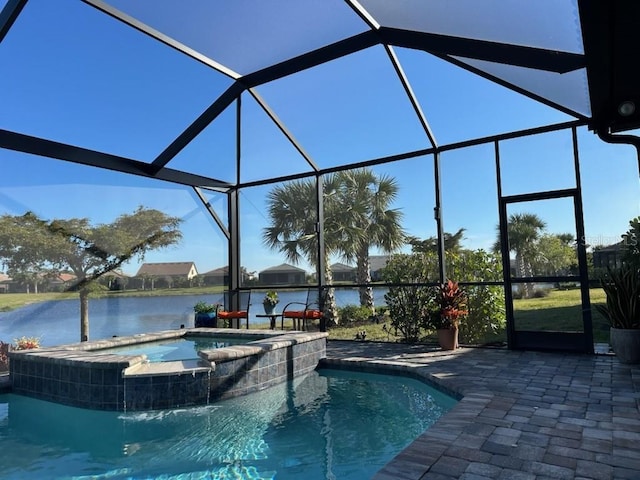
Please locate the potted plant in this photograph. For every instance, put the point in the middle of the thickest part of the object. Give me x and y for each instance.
(4, 356)
(206, 314)
(26, 343)
(449, 308)
(622, 310)
(270, 301)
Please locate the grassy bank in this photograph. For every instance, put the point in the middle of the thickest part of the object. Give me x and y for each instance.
(11, 301)
(560, 310)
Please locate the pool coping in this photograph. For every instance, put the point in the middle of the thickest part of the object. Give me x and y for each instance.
(521, 414)
(90, 352)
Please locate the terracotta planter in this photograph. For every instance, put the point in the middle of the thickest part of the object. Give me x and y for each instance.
(448, 338)
(626, 344)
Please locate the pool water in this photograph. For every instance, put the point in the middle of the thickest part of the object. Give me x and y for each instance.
(185, 348)
(329, 424)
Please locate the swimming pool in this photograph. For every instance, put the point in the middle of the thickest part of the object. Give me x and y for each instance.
(185, 348)
(327, 424)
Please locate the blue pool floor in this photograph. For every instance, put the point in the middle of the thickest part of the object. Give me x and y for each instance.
(340, 423)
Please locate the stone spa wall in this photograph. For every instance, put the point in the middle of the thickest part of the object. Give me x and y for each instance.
(85, 375)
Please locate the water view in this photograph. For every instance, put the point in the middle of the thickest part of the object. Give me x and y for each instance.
(58, 322)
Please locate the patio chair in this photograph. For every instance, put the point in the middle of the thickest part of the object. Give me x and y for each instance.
(235, 316)
(312, 310)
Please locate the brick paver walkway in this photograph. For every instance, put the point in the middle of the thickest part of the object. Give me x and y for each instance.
(523, 415)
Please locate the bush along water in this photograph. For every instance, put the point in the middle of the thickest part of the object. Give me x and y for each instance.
(410, 306)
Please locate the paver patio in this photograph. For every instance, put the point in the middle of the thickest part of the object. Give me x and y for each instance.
(523, 415)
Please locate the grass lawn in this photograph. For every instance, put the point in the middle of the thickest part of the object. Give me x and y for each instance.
(11, 301)
(560, 310)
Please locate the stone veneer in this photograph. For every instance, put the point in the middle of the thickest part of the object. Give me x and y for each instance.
(82, 375)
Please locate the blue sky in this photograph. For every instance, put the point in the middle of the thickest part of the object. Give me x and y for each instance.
(81, 77)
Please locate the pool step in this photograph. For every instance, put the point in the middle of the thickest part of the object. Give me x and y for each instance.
(186, 367)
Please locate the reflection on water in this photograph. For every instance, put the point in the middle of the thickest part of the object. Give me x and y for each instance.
(58, 322)
(328, 424)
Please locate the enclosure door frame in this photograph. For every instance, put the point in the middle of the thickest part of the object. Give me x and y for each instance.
(547, 340)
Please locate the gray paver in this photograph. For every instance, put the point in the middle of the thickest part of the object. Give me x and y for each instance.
(551, 471)
(522, 415)
(597, 471)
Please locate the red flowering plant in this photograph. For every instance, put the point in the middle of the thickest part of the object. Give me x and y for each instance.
(4, 356)
(449, 306)
(27, 343)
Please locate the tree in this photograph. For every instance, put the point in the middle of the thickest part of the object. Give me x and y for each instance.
(361, 202)
(293, 216)
(556, 254)
(523, 229)
(356, 217)
(22, 244)
(30, 244)
(409, 304)
(452, 242)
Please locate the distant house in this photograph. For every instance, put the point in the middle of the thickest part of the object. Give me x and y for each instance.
(5, 281)
(115, 280)
(218, 276)
(45, 282)
(609, 256)
(283, 274)
(166, 273)
(343, 273)
(376, 264)
(62, 281)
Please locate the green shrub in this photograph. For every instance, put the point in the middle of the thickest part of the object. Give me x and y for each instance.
(486, 318)
(409, 305)
(354, 315)
(540, 292)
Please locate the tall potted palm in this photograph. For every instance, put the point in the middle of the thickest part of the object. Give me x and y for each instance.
(622, 310)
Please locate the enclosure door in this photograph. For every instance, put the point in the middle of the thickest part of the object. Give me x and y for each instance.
(546, 282)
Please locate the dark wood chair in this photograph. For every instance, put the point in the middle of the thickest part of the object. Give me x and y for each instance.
(311, 310)
(234, 317)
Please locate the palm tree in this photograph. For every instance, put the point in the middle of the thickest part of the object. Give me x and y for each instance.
(356, 217)
(361, 201)
(452, 242)
(292, 212)
(523, 230)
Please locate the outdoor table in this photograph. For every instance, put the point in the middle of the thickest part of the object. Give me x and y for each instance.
(272, 316)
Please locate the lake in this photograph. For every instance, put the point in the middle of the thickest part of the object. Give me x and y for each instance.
(58, 322)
